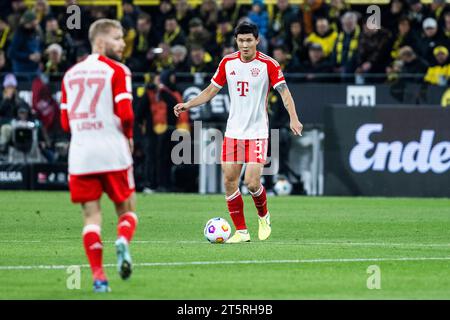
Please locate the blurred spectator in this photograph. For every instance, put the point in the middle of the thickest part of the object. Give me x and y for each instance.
(129, 36)
(430, 39)
(373, 50)
(279, 26)
(25, 49)
(409, 67)
(417, 12)
(162, 58)
(179, 56)
(295, 41)
(130, 13)
(316, 64)
(208, 12)
(439, 73)
(397, 10)
(82, 53)
(184, 13)
(157, 121)
(324, 35)
(10, 103)
(404, 37)
(18, 9)
(199, 35)
(98, 12)
(173, 34)
(55, 64)
(200, 60)
(166, 10)
(224, 33)
(232, 11)
(45, 107)
(227, 50)
(437, 10)
(446, 27)
(146, 39)
(54, 34)
(336, 11)
(4, 65)
(310, 10)
(287, 64)
(347, 43)
(5, 35)
(42, 11)
(259, 16)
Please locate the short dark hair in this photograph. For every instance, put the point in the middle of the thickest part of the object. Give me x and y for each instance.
(246, 27)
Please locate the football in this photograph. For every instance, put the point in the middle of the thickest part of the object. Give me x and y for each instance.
(217, 230)
(282, 187)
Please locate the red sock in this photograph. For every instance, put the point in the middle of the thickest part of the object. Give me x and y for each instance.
(236, 209)
(94, 250)
(260, 200)
(127, 225)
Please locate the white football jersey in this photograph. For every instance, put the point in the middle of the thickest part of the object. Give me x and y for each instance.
(91, 90)
(248, 86)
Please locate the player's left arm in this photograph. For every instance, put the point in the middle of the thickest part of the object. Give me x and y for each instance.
(123, 97)
(289, 104)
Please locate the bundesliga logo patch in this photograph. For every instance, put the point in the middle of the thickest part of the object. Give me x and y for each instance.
(255, 72)
(280, 74)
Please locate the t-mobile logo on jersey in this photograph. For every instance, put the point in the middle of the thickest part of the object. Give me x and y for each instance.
(242, 88)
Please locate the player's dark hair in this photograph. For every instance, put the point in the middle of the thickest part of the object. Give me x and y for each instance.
(245, 28)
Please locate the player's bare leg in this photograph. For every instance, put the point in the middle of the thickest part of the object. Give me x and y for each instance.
(231, 174)
(93, 244)
(253, 182)
(125, 231)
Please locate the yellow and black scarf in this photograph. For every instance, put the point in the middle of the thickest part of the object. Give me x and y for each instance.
(353, 44)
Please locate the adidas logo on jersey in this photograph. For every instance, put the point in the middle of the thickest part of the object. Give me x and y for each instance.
(232, 73)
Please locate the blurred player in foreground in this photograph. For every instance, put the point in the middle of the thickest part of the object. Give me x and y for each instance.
(249, 75)
(96, 108)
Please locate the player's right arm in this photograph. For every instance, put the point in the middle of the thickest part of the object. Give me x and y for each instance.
(217, 82)
(207, 94)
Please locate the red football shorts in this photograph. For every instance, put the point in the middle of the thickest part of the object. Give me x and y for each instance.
(244, 150)
(118, 185)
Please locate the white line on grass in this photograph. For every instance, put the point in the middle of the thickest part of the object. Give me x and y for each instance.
(299, 243)
(190, 263)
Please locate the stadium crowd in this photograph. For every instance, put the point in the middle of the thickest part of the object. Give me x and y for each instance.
(313, 39)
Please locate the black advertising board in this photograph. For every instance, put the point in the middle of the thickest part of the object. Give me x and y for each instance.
(387, 151)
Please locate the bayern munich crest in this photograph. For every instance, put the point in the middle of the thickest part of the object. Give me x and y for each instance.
(255, 72)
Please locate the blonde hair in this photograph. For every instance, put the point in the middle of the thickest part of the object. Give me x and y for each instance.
(102, 26)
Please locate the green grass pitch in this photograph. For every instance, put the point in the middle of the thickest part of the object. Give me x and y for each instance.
(320, 248)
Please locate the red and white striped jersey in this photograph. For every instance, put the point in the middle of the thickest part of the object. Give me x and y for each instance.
(96, 104)
(248, 86)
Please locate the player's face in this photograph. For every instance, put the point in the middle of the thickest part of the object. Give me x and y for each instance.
(247, 45)
(114, 44)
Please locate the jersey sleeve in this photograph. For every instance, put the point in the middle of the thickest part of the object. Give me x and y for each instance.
(121, 85)
(63, 106)
(220, 77)
(122, 96)
(276, 76)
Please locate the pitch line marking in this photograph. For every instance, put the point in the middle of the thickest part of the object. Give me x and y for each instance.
(336, 243)
(230, 262)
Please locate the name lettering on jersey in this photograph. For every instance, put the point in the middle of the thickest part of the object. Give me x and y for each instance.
(89, 125)
(255, 72)
(242, 88)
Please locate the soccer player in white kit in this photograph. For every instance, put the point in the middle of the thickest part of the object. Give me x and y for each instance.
(249, 75)
(96, 107)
